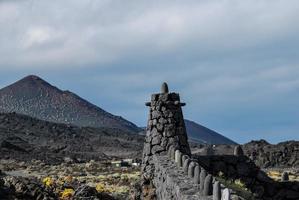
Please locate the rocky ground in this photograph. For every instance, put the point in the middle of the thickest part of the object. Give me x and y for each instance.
(44, 160)
(24, 138)
(264, 154)
(91, 180)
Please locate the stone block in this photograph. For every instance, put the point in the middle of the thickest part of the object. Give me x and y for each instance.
(169, 151)
(160, 127)
(174, 97)
(285, 176)
(157, 149)
(196, 177)
(202, 177)
(172, 154)
(156, 140)
(154, 97)
(184, 157)
(163, 121)
(177, 156)
(154, 132)
(226, 194)
(164, 88)
(208, 185)
(191, 169)
(186, 165)
(216, 191)
(156, 114)
(169, 132)
(238, 151)
(164, 142)
(164, 97)
(147, 149)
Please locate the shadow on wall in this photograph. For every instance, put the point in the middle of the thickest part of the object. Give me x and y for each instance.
(241, 174)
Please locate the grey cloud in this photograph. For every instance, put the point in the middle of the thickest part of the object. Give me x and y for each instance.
(230, 60)
(106, 32)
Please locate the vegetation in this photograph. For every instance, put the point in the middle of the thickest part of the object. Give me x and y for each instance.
(114, 181)
(236, 185)
(67, 194)
(277, 174)
(48, 181)
(64, 179)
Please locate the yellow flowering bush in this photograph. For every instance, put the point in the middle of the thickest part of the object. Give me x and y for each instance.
(48, 181)
(276, 175)
(67, 194)
(273, 173)
(100, 187)
(239, 183)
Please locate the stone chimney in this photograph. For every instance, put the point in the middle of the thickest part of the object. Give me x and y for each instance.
(165, 129)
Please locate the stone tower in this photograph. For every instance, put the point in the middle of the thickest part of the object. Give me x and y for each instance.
(165, 129)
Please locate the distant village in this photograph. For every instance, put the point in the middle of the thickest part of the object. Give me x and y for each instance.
(126, 163)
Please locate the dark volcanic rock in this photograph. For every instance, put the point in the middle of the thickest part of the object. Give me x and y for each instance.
(264, 154)
(25, 138)
(284, 154)
(14, 188)
(35, 97)
(20, 188)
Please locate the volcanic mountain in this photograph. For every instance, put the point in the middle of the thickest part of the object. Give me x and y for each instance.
(35, 97)
(201, 134)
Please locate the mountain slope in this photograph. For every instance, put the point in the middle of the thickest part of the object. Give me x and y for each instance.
(199, 133)
(35, 97)
(24, 138)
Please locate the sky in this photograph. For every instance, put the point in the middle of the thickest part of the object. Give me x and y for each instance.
(235, 63)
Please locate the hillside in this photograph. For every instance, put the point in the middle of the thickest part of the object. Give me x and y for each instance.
(35, 97)
(25, 138)
(201, 134)
(265, 155)
(283, 154)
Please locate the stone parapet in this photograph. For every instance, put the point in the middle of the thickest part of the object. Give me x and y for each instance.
(170, 172)
(165, 130)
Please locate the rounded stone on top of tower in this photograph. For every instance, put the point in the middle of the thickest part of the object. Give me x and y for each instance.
(164, 88)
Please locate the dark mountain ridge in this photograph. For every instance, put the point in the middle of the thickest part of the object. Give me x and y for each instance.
(37, 98)
(201, 134)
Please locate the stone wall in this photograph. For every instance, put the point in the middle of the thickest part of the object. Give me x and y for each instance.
(179, 177)
(165, 128)
(169, 171)
(241, 168)
(171, 181)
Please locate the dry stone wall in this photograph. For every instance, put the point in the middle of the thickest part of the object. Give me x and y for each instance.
(165, 128)
(171, 172)
(241, 168)
(189, 181)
